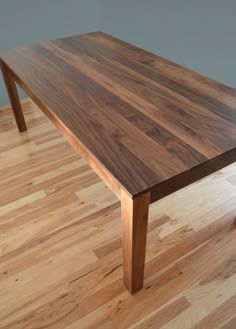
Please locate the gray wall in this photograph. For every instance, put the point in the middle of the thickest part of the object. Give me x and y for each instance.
(30, 21)
(200, 34)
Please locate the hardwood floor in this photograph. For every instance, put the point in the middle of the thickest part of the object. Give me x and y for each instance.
(61, 256)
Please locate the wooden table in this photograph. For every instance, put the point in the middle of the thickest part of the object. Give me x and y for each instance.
(147, 126)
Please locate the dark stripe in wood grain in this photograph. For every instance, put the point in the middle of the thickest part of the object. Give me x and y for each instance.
(150, 124)
(177, 113)
(186, 76)
(80, 119)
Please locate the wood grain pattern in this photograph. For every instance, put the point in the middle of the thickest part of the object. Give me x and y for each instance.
(14, 98)
(134, 214)
(151, 124)
(61, 265)
(147, 126)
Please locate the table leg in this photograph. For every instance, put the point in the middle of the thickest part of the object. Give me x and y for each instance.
(14, 99)
(134, 213)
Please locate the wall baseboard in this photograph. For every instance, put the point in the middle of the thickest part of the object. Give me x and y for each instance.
(23, 101)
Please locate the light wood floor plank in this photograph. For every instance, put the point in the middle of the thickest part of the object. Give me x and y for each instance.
(61, 248)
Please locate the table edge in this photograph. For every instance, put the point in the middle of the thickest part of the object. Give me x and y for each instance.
(157, 191)
(83, 151)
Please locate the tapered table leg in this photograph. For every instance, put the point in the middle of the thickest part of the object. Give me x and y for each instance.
(14, 99)
(134, 213)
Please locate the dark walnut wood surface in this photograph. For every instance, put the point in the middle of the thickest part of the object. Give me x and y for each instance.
(152, 124)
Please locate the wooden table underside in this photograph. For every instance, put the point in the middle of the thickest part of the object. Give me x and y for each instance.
(147, 126)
